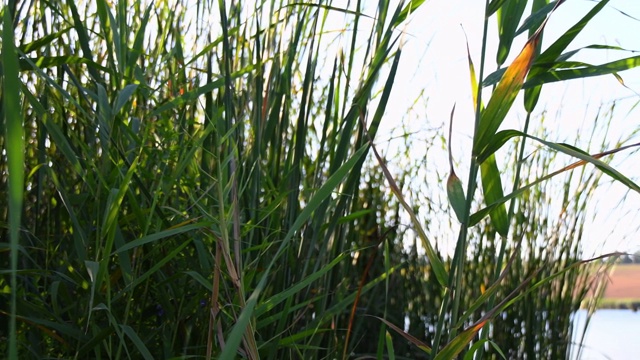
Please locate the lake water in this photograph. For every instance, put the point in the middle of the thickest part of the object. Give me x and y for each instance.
(612, 334)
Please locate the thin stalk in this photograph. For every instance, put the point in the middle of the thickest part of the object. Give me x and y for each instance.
(516, 183)
(455, 273)
(15, 145)
(484, 333)
(234, 266)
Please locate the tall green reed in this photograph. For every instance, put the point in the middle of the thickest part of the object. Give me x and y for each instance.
(195, 200)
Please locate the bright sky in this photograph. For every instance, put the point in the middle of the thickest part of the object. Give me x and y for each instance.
(435, 59)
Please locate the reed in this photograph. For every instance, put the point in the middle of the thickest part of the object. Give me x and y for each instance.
(204, 180)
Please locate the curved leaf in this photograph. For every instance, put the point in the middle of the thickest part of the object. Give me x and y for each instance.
(410, 338)
(569, 150)
(584, 71)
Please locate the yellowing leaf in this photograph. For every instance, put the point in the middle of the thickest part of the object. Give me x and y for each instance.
(505, 94)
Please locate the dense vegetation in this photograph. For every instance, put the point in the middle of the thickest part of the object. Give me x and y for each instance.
(206, 180)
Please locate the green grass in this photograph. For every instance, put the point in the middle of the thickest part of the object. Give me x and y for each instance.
(214, 186)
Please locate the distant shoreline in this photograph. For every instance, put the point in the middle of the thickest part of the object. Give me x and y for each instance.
(623, 288)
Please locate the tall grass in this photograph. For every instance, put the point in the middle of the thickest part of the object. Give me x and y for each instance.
(203, 180)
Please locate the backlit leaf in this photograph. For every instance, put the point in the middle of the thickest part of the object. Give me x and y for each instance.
(504, 95)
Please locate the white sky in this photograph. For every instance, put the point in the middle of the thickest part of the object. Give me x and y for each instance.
(434, 59)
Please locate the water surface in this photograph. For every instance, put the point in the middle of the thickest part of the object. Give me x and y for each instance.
(612, 334)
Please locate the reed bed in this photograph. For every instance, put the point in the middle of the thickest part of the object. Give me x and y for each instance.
(205, 180)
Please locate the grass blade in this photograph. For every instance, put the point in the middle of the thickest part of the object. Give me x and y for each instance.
(583, 71)
(43, 41)
(415, 341)
(144, 351)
